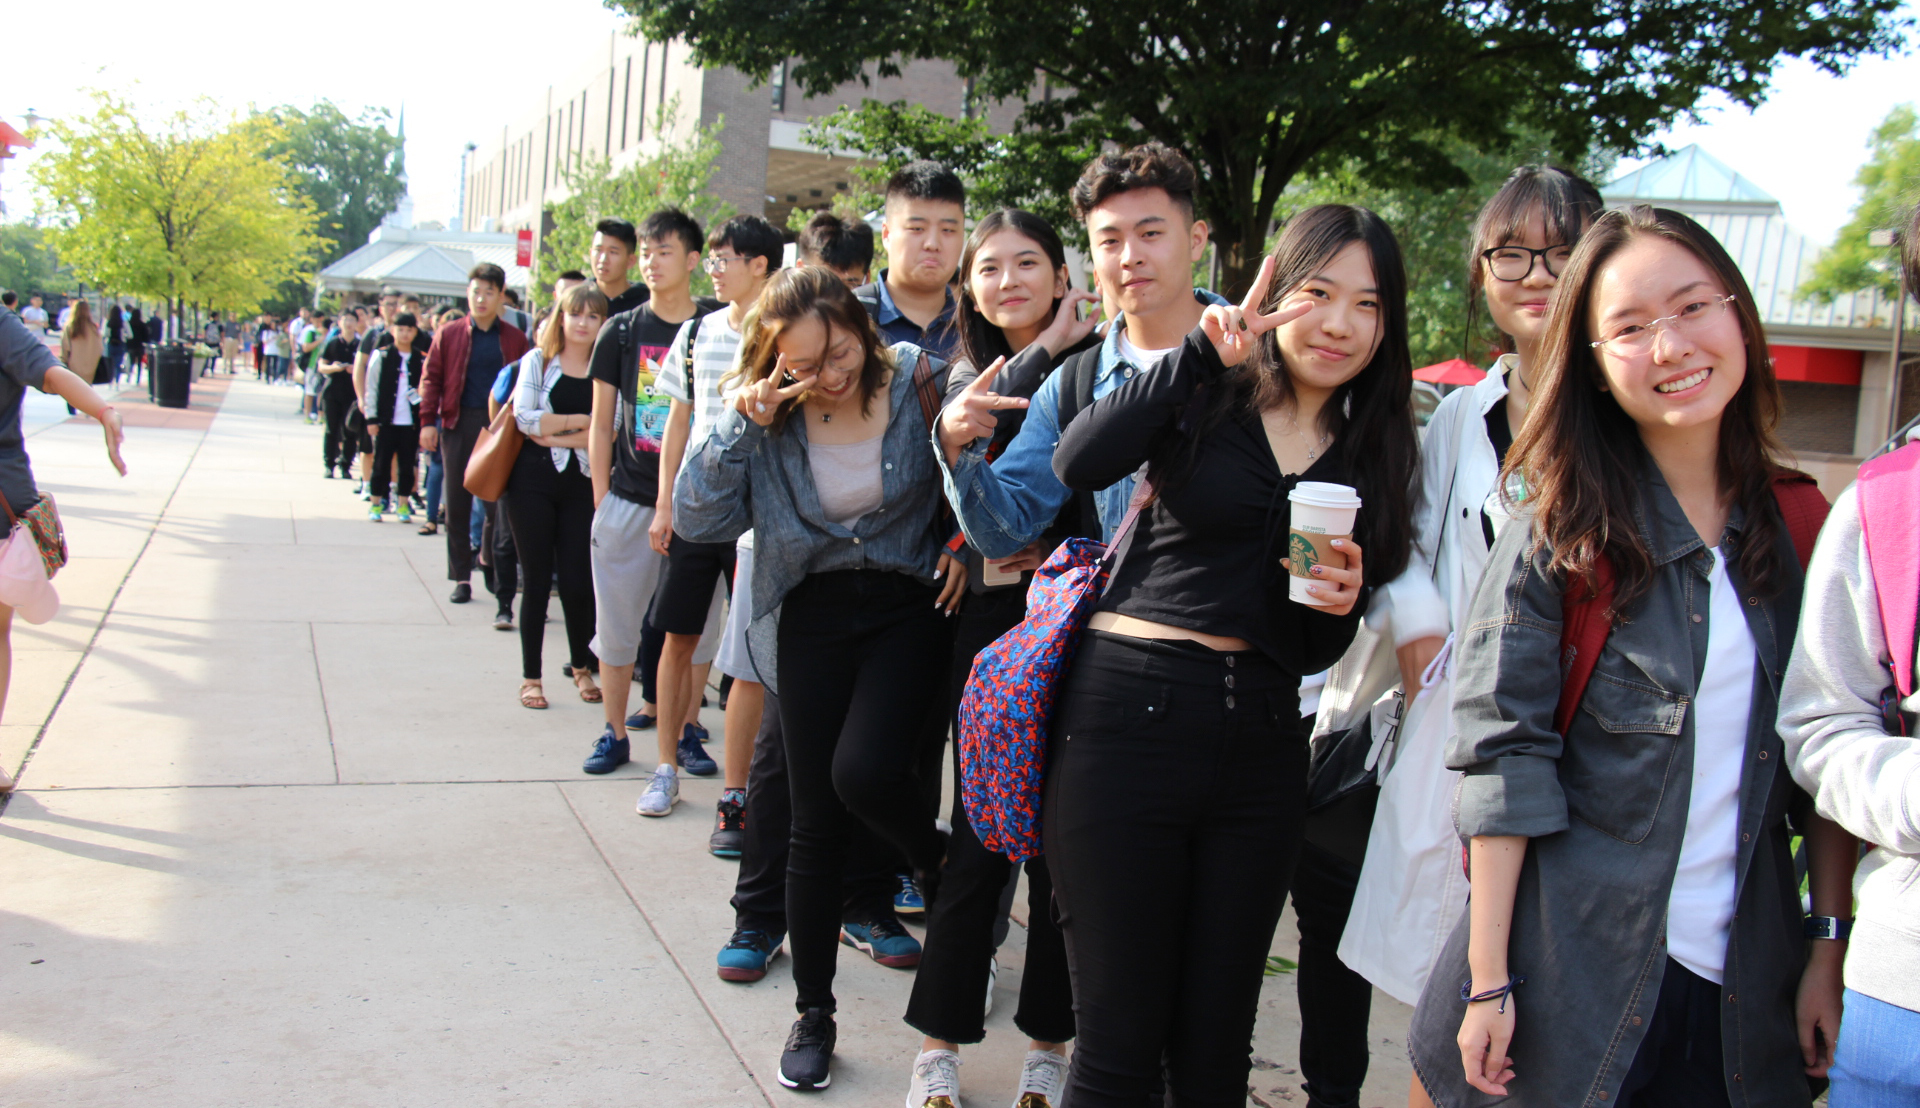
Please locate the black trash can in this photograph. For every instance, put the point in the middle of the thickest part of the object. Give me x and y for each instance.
(172, 375)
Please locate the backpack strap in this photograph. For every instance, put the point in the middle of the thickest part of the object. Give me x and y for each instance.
(1889, 491)
(1802, 508)
(929, 390)
(1076, 384)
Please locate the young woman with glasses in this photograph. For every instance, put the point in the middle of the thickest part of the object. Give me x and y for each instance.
(1633, 935)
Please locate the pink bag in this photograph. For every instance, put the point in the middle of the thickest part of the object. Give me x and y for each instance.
(1889, 491)
(23, 577)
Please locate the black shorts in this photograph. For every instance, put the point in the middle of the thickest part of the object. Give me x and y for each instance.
(686, 585)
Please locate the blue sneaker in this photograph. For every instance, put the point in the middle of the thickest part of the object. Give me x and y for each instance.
(747, 954)
(693, 759)
(639, 721)
(700, 732)
(608, 754)
(908, 901)
(885, 940)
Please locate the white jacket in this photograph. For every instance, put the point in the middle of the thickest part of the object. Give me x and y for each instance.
(531, 388)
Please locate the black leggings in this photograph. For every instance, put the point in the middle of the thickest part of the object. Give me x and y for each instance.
(391, 442)
(1175, 797)
(336, 447)
(551, 513)
(1335, 1002)
(861, 654)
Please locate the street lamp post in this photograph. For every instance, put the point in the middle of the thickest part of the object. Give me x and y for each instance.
(1891, 238)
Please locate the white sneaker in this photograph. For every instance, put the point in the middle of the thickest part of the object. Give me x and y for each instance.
(663, 792)
(936, 1080)
(993, 978)
(1042, 1076)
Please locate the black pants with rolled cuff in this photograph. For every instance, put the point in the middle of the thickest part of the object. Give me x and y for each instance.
(861, 654)
(1176, 793)
(551, 515)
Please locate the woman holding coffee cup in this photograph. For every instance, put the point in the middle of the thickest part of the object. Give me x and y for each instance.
(1179, 755)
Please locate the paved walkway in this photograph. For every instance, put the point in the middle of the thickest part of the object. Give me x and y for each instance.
(285, 838)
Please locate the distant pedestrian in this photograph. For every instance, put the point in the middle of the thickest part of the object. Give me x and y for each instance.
(392, 407)
(211, 336)
(116, 341)
(136, 344)
(33, 315)
(81, 345)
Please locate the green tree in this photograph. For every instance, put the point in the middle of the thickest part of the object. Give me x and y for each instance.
(1258, 92)
(1889, 185)
(352, 172)
(675, 177)
(186, 211)
(27, 263)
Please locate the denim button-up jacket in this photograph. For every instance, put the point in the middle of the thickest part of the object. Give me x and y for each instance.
(744, 477)
(1605, 807)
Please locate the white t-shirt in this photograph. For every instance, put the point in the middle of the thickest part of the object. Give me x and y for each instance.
(1143, 359)
(403, 397)
(1700, 908)
(34, 316)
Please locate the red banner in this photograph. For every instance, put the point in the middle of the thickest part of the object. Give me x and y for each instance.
(523, 248)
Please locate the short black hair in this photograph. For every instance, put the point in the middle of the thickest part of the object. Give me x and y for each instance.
(572, 275)
(513, 297)
(671, 223)
(406, 319)
(1151, 165)
(751, 237)
(619, 229)
(490, 273)
(837, 243)
(926, 180)
(389, 291)
(9, 298)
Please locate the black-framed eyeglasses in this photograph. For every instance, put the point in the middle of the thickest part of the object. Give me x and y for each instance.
(717, 264)
(1514, 263)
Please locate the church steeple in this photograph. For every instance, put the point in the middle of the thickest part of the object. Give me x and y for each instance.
(402, 214)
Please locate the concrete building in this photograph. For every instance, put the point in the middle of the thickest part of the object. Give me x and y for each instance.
(1833, 360)
(429, 263)
(610, 109)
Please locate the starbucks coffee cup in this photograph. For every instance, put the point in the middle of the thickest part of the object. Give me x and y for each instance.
(1322, 512)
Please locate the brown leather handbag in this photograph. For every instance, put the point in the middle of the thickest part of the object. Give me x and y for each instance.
(494, 452)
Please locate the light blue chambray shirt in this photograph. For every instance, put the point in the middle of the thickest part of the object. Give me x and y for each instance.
(1006, 505)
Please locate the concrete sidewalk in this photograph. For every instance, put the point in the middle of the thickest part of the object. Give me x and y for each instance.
(286, 838)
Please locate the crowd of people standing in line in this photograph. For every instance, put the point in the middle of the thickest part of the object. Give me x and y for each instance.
(837, 491)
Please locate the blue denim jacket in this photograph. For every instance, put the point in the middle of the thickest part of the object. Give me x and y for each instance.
(1008, 504)
(743, 477)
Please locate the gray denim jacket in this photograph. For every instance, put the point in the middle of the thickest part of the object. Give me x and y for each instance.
(744, 477)
(1605, 808)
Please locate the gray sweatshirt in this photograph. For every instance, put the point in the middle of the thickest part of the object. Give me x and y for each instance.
(1838, 749)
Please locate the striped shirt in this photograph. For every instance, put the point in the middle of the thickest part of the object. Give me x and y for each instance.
(716, 346)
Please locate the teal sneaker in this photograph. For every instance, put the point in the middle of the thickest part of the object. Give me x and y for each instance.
(885, 940)
(747, 955)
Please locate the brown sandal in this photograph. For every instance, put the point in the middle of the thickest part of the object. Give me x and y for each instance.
(588, 692)
(531, 696)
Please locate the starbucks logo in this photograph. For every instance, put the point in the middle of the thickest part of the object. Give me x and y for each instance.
(1302, 554)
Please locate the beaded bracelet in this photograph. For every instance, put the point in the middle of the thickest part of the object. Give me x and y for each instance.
(1500, 994)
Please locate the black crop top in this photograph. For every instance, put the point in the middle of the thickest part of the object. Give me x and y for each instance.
(571, 396)
(1206, 553)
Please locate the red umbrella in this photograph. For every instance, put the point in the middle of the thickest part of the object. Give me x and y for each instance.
(1453, 371)
(11, 137)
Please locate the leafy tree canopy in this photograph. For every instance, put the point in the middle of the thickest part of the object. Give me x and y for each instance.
(1890, 186)
(27, 263)
(351, 171)
(676, 177)
(1259, 91)
(186, 211)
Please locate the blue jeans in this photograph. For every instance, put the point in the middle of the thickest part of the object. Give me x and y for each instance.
(436, 472)
(1877, 1063)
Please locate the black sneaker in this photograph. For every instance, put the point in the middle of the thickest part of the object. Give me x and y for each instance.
(804, 1064)
(729, 825)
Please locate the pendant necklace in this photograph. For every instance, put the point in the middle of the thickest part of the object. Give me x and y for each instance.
(1313, 451)
(826, 417)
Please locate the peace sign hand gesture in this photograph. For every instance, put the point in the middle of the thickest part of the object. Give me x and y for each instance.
(970, 415)
(1232, 330)
(761, 400)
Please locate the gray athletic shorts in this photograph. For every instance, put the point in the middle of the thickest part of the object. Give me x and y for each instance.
(625, 572)
(734, 659)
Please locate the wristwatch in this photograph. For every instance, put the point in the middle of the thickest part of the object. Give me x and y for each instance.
(1828, 927)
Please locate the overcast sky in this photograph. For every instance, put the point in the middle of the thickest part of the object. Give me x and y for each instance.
(463, 79)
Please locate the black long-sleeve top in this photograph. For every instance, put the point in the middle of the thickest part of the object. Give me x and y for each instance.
(1206, 552)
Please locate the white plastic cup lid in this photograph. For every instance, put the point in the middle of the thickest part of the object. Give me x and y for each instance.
(1325, 494)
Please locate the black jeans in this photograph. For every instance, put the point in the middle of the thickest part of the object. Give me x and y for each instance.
(393, 443)
(336, 446)
(760, 890)
(861, 654)
(1175, 797)
(1335, 1002)
(501, 557)
(456, 446)
(1679, 1064)
(551, 513)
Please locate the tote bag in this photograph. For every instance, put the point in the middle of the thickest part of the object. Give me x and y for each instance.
(494, 451)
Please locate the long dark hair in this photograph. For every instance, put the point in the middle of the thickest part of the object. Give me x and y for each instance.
(794, 294)
(1370, 415)
(1580, 454)
(980, 342)
(1565, 201)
